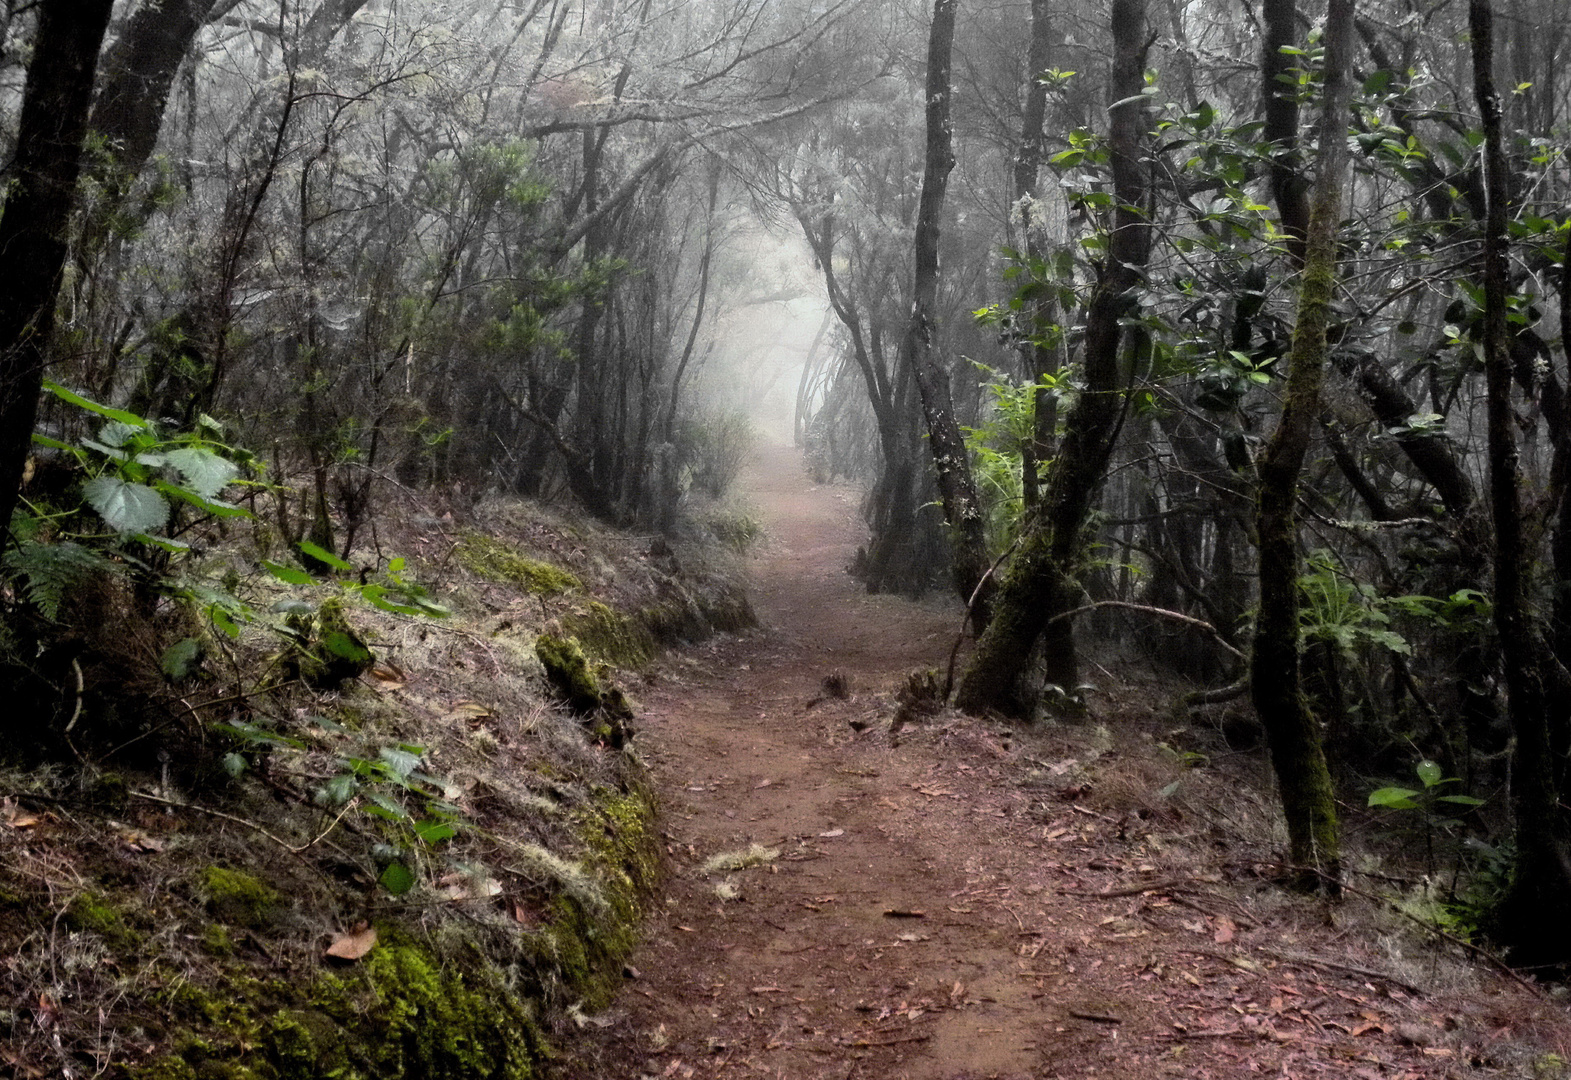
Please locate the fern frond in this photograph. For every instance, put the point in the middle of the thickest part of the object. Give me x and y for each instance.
(47, 571)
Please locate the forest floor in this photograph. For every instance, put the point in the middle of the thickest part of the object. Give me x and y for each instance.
(967, 899)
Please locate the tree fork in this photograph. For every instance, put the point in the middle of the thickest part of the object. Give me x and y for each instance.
(1276, 686)
(957, 488)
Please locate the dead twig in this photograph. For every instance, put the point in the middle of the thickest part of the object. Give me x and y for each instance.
(286, 845)
(1132, 890)
(1332, 965)
(1467, 946)
(1176, 616)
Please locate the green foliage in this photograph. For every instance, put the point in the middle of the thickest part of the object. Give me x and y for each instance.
(385, 785)
(712, 448)
(1430, 775)
(736, 529)
(48, 571)
(1336, 609)
(137, 473)
(496, 561)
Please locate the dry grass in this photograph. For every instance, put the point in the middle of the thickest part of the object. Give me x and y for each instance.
(104, 907)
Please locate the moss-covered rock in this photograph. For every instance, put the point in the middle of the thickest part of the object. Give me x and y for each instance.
(603, 707)
(93, 912)
(612, 637)
(237, 898)
(327, 651)
(496, 561)
(401, 1014)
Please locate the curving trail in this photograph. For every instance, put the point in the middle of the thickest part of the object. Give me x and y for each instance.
(932, 911)
(803, 974)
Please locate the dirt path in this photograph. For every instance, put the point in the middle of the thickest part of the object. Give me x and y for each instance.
(927, 914)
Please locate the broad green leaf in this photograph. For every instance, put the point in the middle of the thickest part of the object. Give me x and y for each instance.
(203, 471)
(338, 790)
(1394, 797)
(216, 507)
(1461, 800)
(1429, 773)
(125, 507)
(397, 878)
(383, 806)
(288, 574)
(322, 555)
(181, 658)
(92, 406)
(54, 444)
(433, 831)
(401, 762)
(345, 647)
(116, 432)
(235, 764)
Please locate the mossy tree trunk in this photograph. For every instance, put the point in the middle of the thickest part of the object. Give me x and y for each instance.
(957, 487)
(1292, 730)
(1041, 584)
(36, 221)
(1535, 917)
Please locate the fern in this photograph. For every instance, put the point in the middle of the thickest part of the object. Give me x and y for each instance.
(47, 571)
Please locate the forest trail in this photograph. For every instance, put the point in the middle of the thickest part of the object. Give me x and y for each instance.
(928, 915)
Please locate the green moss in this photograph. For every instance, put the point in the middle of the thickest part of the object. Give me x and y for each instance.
(569, 673)
(238, 898)
(400, 1014)
(216, 941)
(589, 946)
(92, 912)
(612, 637)
(494, 560)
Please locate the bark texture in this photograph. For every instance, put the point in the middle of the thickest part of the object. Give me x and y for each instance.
(37, 215)
(1535, 917)
(1292, 730)
(1042, 583)
(957, 488)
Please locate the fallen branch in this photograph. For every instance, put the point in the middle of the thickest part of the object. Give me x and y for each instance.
(1350, 969)
(1466, 946)
(1176, 616)
(292, 849)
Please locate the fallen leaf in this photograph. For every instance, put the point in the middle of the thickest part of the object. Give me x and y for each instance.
(762, 784)
(353, 945)
(48, 1012)
(471, 711)
(137, 840)
(957, 991)
(1226, 929)
(16, 817)
(386, 677)
(832, 833)
(913, 937)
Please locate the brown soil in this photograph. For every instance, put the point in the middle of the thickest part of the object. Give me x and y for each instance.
(932, 912)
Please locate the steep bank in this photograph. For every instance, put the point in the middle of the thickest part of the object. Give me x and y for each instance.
(351, 840)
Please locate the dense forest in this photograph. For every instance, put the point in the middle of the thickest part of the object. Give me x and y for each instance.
(1236, 330)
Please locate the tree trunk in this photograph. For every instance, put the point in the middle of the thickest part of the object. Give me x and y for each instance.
(1535, 916)
(138, 71)
(1288, 186)
(37, 216)
(1292, 730)
(957, 488)
(1042, 584)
